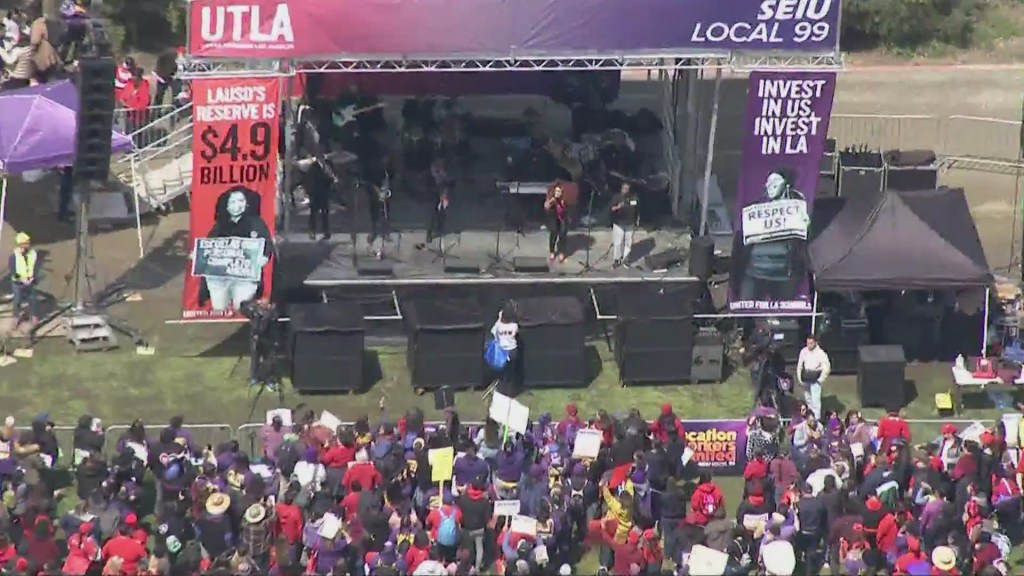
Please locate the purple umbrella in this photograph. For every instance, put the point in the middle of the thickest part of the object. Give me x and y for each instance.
(38, 125)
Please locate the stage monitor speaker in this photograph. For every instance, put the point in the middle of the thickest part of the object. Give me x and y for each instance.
(912, 178)
(445, 343)
(368, 267)
(702, 257)
(552, 338)
(530, 264)
(327, 342)
(664, 260)
(881, 376)
(95, 119)
(457, 265)
(708, 358)
(654, 334)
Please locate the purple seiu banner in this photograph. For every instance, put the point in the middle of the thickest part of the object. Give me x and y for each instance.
(784, 138)
(720, 445)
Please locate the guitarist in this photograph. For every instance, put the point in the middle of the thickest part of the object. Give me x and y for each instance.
(378, 175)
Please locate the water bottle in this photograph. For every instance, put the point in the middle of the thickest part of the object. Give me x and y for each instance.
(960, 364)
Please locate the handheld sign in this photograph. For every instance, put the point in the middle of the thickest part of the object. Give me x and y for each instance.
(284, 413)
(524, 525)
(506, 507)
(329, 420)
(442, 463)
(508, 412)
(588, 443)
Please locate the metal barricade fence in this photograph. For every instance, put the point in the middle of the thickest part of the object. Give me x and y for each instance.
(882, 132)
(989, 138)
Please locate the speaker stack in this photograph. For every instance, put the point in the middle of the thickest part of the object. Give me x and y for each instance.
(552, 342)
(654, 335)
(911, 170)
(95, 120)
(881, 376)
(445, 343)
(327, 346)
(702, 257)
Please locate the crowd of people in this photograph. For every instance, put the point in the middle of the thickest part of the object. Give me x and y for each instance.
(846, 496)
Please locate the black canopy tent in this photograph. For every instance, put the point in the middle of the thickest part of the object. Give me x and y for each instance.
(922, 240)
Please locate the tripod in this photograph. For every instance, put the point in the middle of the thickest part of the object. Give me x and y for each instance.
(262, 362)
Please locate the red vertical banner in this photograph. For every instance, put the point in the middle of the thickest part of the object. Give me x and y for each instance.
(234, 180)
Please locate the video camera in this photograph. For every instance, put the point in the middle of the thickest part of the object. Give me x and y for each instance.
(262, 316)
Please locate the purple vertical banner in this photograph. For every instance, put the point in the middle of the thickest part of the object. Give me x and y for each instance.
(784, 138)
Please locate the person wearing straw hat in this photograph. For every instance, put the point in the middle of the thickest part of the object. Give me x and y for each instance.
(24, 267)
(256, 534)
(944, 560)
(214, 526)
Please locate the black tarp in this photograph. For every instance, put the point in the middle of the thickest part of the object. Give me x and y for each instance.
(924, 240)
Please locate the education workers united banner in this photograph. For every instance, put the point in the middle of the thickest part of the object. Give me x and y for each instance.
(785, 129)
(720, 445)
(478, 29)
(234, 181)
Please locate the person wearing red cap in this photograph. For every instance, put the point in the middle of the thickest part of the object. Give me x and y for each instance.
(913, 555)
(654, 555)
(667, 422)
(138, 533)
(82, 551)
(706, 503)
(127, 548)
(568, 426)
(756, 469)
(888, 530)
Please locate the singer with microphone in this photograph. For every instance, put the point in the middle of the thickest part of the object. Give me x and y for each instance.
(624, 220)
(558, 223)
(318, 179)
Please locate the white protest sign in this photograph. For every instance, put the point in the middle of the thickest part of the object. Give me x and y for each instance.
(506, 507)
(283, 413)
(509, 412)
(524, 525)
(330, 526)
(1011, 424)
(973, 432)
(588, 443)
(775, 220)
(704, 561)
(330, 421)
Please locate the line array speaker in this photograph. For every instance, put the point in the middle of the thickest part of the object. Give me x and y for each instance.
(95, 119)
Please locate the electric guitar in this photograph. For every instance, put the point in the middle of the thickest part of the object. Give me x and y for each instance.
(348, 114)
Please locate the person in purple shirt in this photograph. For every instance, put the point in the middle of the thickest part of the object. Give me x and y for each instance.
(508, 470)
(182, 435)
(328, 552)
(469, 467)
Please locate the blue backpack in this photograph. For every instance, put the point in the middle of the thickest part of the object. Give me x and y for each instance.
(448, 531)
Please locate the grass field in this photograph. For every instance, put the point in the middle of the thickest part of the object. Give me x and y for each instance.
(196, 372)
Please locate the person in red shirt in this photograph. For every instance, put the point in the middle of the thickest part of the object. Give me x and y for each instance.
(350, 503)
(985, 553)
(123, 546)
(888, 530)
(123, 76)
(288, 523)
(757, 469)
(707, 502)
(42, 548)
(891, 427)
(364, 472)
(654, 555)
(338, 454)
(627, 555)
(7, 550)
(667, 421)
(911, 556)
(448, 507)
(136, 98)
(418, 553)
(82, 551)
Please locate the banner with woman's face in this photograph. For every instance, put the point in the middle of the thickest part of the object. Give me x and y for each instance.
(234, 182)
(784, 138)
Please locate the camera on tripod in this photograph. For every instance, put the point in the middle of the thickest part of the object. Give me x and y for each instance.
(261, 315)
(263, 319)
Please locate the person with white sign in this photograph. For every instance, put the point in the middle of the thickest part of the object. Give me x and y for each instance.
(774, 235)
(506, 332)
(812, 368)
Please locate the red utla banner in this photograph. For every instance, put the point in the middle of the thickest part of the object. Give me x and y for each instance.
(234, 180)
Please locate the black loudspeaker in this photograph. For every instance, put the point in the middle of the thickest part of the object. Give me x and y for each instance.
(664, 260)
(654, 336)
(702, 257)
(551, 338)
(327, 346)
(662, 300)
(881, 376)
(445, 343)
(708, 358)
(456, 265)
(96, 104)
(530, 264)
(911, 170)
(367, 267)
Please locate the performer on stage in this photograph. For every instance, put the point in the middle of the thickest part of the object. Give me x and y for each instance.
(378, 176)
(318, 180)
(558, 223)
(624, 220)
